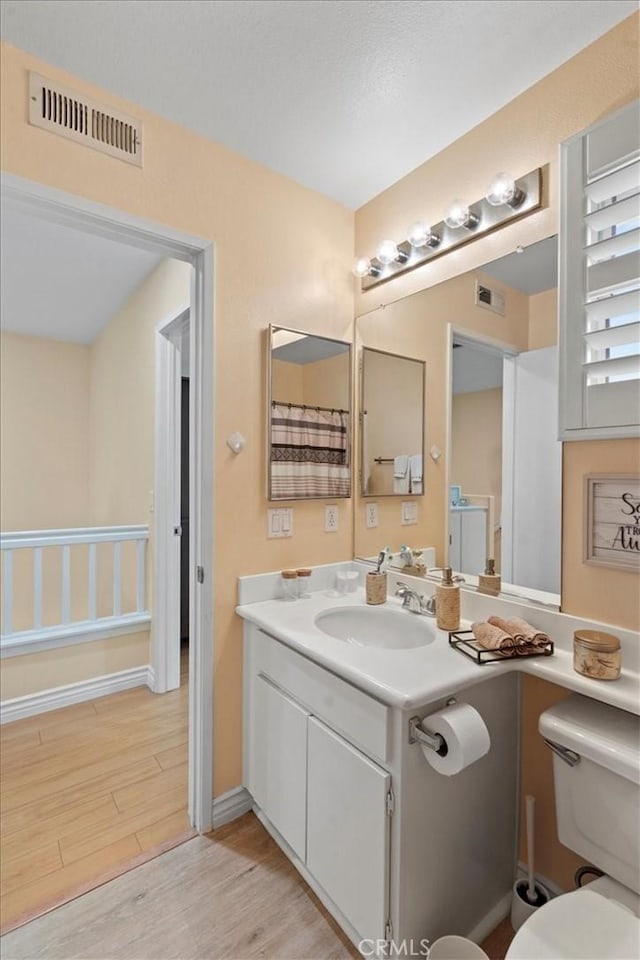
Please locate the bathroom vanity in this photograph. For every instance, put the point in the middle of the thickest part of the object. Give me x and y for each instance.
(393, 849)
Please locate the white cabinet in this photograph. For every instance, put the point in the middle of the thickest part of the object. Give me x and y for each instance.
(348, 829)
(312, 781)
(468, 540)
(279, 776)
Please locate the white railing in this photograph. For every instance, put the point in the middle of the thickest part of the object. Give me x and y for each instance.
(69, 628)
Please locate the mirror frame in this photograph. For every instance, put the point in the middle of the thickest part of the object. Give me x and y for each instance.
(270, 331)
(362, 411)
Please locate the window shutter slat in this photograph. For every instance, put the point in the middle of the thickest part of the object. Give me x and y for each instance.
(614, 184)
(614, 306)
(623, 335)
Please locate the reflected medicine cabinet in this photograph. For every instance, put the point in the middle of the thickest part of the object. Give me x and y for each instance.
(308, 416)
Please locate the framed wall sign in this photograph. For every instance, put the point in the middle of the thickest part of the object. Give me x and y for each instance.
(612, 520)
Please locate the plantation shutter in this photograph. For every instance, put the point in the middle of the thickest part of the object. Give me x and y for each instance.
(600, 280)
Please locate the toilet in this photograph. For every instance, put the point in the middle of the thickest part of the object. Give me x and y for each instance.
(596, 772)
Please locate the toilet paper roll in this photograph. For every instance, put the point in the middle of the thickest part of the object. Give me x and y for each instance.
(464, 733)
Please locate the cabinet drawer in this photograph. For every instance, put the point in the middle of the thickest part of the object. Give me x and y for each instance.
(359, 717)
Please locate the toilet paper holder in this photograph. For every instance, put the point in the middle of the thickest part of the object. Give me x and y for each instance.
(432, 740)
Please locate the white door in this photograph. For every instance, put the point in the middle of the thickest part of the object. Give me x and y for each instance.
(278, 768)
(348, 829)
(473, 540)
(531, 471)
(455, 555)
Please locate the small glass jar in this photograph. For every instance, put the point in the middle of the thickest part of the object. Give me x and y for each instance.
(289, 584)
(596, 654)
(304, 583)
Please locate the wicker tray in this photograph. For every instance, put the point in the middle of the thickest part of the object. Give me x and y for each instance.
(464, 642)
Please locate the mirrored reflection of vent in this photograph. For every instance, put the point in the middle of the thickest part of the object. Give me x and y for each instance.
(70, 115)
(490, 299)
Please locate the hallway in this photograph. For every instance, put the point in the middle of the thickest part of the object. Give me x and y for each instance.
(87, 791)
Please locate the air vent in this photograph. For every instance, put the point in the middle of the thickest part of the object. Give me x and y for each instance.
(490, 299)
(70, 115)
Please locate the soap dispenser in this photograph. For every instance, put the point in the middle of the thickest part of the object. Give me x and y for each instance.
(489, 581)
(448, 602)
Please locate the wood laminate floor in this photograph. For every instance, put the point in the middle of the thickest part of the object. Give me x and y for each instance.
(232, 895)
(87, 791)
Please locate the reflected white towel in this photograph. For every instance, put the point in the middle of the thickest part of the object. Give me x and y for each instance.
(415, 472)
(401, 477)
(400, 466)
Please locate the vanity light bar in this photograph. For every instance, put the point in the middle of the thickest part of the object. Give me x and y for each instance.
(462, 225)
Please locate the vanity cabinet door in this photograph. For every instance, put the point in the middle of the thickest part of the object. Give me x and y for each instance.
(278, 776)
(348, 829)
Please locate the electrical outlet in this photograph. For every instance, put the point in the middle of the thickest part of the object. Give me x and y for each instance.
(280, 522)
(408, 512)
(331, 518)
(372, 515)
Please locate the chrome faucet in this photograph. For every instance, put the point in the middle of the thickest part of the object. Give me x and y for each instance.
(416, 602)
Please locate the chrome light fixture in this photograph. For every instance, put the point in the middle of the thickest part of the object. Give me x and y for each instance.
(506, 200)
(459, 215)
(362, 267)
(503, 190)
(421, 235)
(388, 252)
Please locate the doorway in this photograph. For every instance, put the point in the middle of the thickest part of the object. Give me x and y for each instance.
(46, 203)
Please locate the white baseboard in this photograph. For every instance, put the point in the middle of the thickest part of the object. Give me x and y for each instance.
(491, 920)
(34, 703)
(231, 805)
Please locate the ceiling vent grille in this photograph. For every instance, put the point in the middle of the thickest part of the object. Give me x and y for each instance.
(65, 112)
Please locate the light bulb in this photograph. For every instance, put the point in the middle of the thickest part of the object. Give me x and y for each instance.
(459, 215)
(419, 233)
(502, 189)
(387, 252)
(361, 267)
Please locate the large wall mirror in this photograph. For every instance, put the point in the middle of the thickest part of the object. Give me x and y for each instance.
(309, 416)
(492, 473)
(391, 424)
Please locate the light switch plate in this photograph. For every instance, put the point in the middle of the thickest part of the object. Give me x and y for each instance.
(280, 522)
(408, 512)
(372, 515)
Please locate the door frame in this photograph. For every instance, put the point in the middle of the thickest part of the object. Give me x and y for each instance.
(165, 633)
(68, 209)
(456, 334)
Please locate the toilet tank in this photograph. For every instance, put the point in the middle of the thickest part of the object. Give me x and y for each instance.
(598, 799)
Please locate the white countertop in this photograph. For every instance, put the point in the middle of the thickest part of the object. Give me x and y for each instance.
(415, 677)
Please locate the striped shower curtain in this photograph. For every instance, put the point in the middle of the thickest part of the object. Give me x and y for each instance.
(309, 452)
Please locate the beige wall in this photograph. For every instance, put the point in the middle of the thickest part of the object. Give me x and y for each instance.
(44, 433)
(416, 326)
(35, 672)
(476, 446)
(122, 417)
(325, 383)
(526, 134)
(301, 279)
(543, 319)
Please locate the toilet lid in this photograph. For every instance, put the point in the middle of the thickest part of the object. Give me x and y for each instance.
(578, 926)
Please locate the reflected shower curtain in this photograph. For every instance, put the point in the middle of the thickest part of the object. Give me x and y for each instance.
(309, 452)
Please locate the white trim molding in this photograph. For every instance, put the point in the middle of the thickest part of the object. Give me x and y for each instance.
(33, 703)
(230, 805)
(68, 635)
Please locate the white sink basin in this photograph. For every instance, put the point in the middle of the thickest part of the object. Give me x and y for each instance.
(381, 627)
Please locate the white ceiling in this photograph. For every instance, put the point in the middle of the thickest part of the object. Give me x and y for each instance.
(63, 284)
(475, 369)
(533, 270)
(345, 96)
